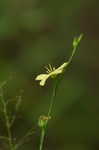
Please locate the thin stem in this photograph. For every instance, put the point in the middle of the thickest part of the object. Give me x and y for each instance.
(70, 59)
(52, 98)
(76, 42)
(43, 129)
(16, 110)
(42, 138)
(22, 141)
(7, 121)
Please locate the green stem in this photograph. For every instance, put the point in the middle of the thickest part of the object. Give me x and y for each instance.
(76, 42)
(7, 121)
(42, 138)
(52, 98)
(73, 52)
(43, 129)
(22, 141)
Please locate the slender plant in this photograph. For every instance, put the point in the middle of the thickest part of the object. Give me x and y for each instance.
(9, 121)
(53, 72)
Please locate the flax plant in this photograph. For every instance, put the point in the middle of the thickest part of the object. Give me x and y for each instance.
(52, 72)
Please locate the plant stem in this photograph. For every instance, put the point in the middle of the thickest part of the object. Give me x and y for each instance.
(7, 121)
(53, 97)
(42, 138)
(43, 129)
(22, 141)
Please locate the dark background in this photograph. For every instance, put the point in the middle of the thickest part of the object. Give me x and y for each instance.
(34, 33)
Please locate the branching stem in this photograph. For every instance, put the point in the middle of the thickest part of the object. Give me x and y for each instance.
(7, 121)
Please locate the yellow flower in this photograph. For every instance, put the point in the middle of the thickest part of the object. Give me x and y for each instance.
(51, 71)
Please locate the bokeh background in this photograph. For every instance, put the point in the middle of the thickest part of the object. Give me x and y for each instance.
(34, 33)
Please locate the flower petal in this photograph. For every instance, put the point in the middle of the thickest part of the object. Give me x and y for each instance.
(43, 81)
(41, 77)
(60, 69)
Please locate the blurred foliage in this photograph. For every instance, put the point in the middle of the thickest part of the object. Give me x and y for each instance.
(34, 33)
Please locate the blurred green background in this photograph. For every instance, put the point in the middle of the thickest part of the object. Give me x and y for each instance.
(34, 33)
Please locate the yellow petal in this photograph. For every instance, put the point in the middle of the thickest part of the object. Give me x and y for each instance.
(56, 72)
(41, 77)
(60, 69)
(43, 81)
